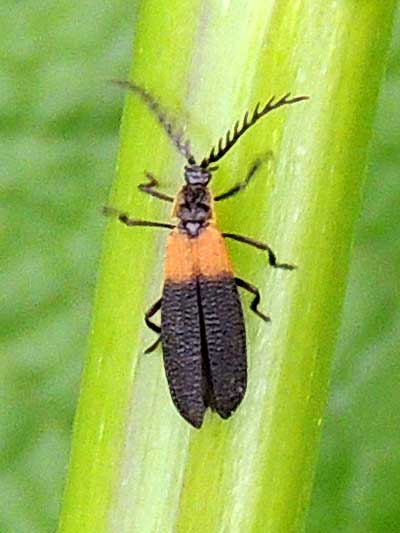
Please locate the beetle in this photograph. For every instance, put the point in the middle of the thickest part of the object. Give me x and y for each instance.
(202, 330)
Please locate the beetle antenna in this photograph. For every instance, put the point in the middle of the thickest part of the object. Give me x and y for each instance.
(233, 135)
(176, 135)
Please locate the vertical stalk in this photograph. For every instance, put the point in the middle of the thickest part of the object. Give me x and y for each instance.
(135, 465)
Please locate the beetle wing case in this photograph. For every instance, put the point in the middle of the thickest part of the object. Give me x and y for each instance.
(202, 327)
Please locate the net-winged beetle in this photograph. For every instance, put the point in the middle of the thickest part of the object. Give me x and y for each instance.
(202, 330)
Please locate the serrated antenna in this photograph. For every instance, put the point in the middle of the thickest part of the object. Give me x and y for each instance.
(176, 136)
(232, 136)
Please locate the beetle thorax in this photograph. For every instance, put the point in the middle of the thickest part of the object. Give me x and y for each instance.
(193, 208)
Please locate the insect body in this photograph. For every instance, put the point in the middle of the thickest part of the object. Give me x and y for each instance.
(202, 328)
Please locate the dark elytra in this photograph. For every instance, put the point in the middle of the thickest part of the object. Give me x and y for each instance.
(204, 346)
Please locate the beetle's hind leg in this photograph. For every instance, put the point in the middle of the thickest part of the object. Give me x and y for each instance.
(256, 300)
(153, 346)
(151, 325)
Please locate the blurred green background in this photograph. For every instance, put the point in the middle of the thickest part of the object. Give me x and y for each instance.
(59, 136)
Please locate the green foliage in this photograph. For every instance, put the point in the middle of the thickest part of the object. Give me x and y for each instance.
(59, 133)
(357, 482)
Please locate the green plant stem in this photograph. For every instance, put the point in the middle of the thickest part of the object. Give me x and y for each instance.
(135, 465)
